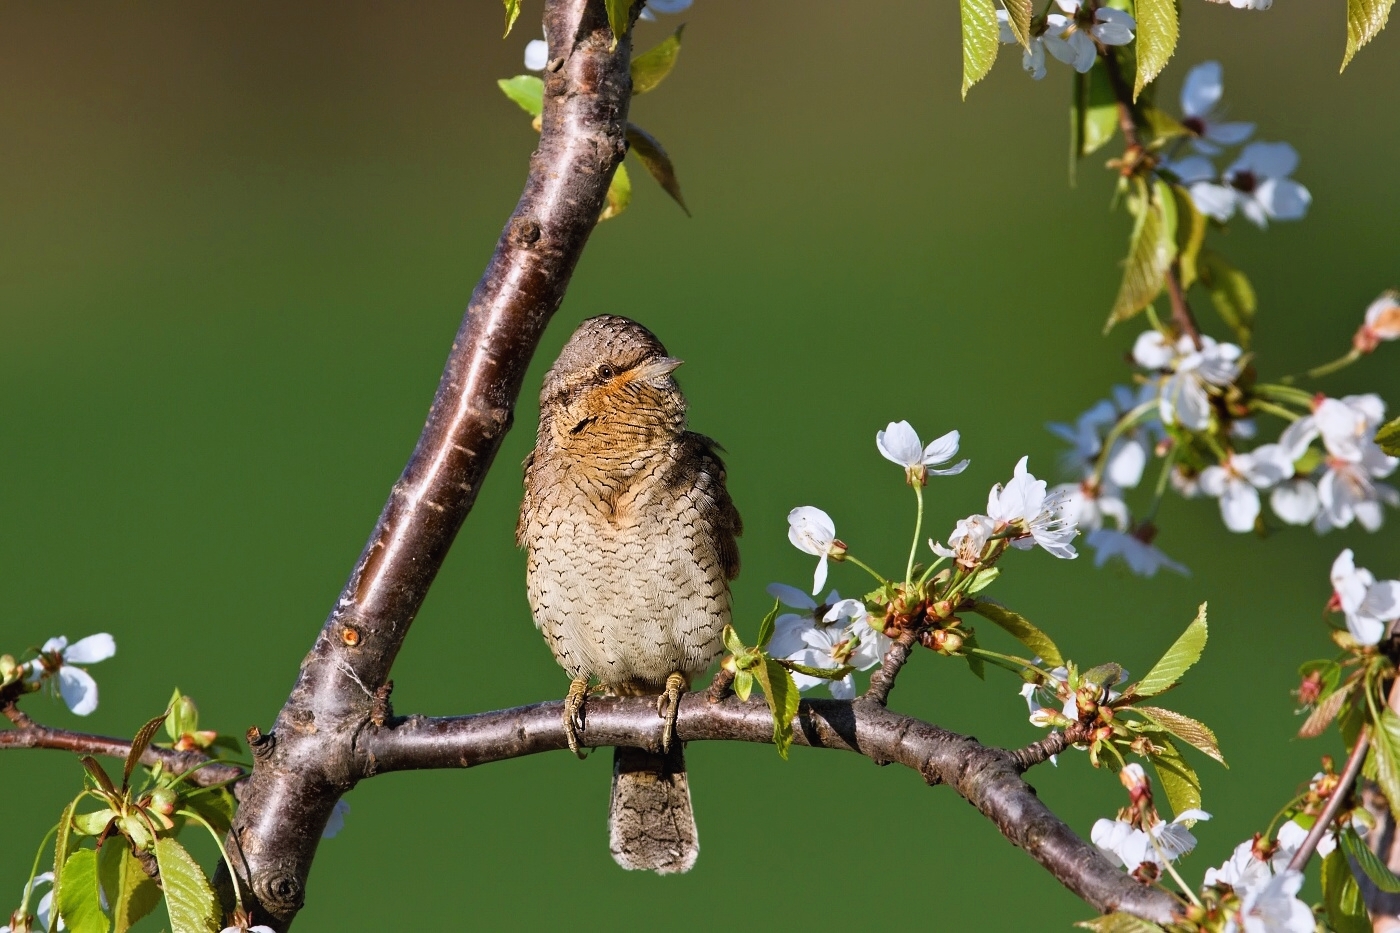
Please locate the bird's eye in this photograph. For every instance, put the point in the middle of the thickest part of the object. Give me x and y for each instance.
(605, 371)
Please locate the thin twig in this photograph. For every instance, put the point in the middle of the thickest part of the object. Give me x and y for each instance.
(1182, 317)
(882, 681)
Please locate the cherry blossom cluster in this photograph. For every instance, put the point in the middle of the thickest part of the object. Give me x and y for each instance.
(1256, 183)
(57, 666)
(1071, 35)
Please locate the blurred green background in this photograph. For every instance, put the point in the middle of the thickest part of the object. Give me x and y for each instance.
(236, 242)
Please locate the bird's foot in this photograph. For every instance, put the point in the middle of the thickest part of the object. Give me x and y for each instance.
(573, 713)
(668, 706)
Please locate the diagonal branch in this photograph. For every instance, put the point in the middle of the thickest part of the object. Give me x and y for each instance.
(304, 765)
(988, 778)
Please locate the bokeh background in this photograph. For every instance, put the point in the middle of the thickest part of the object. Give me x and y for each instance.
(235, 242)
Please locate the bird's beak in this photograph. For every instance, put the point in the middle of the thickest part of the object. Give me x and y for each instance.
(654, 372)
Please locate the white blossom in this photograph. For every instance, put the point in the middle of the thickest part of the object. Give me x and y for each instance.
(1247, 4)
(1125, 462)
(57, 659)
(1347, 489)
(813, 532)
(653, 7)
(1142, 557)
(1033, 58)
(260, 928)
(1275, 907)
(1023, 504)
(1200, 103)
(788, 627)
(1190, 374)
(1053, 695)
(854, 644)
(336, 822)
(536, 54)
(1382, 322)
(900, 444)
(44, 908)
(1236, 483)
(1257, 185)
(1070, 37)
(1244, 871)
(966, 543)
(1295, 501)
(1163, 842)
(1369, 605)
(1087, 504)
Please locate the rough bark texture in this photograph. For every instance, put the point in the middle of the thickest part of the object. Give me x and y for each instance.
(304, 765)
(989, 778)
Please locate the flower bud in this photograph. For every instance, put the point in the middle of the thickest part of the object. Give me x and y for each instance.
(1135, 780)
(946, 641)
(1382, 323)
(838, 549)
(941, 609)
(1310, 689)
(9, 670)
(164, 800)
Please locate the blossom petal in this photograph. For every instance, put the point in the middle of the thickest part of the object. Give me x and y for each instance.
(1229, 134)
(791, 596)
(536, 54)
(1192, 169)
(1202, 89)
(1267, 160)
(1283, 198)
(1152, 350)
(811, 531)
(1126, 464)
(1295, 502)
(78, 689)
(90, 650)
(941, 450)
(1214, 200)
(900, 444)
(1239, 506)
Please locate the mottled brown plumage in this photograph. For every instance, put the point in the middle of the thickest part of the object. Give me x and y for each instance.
(631, 541)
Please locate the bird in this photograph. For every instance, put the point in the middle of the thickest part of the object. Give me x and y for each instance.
(630, 539)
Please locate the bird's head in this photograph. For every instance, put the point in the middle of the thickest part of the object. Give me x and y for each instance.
(611, 384)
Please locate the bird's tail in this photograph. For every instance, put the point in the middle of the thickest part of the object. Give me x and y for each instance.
(650, 823)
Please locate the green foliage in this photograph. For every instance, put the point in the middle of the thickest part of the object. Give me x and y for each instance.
(783, 700)
(619, 194)
(647, 149)
(1385, 751)
(1185, 652)
(1178, 779)
(525, 90)
(1021, 629)
(1369, 862)
(619, 18)
(1365, 20)
(188, 897)
(512, 14)
(61, 842)
(1346, 912)
(768, 626)
(1093, 114)
(651, 67)
(1157, 33)
(1230, 292)
(1190, 234)
(1388, 437)
(1325, 711)
(1196, 734)
(981, 38)
(139, 744)
(1119, 923)
(78, 900)
(130, 891)
(1018, 17)
(1151, 250)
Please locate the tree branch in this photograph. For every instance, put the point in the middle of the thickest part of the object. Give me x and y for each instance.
(304, 765)
(988, 778)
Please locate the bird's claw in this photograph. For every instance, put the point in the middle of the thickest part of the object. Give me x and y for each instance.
(573, 714)
(668, 706)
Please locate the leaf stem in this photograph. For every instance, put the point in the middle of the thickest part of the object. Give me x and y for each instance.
(1277, 411)
(1129, 420)
(1286, 394)
(918, 531)
(34, 871)
(864, 566)
(1327, 369)
(1168, 464)
(218, 841)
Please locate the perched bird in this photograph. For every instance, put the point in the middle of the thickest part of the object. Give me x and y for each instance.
(630, 536)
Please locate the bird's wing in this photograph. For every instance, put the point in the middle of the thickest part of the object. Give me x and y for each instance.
(700, 470)
(527, 504)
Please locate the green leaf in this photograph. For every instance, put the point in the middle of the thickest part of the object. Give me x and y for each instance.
(188, 896)
(1156, 39)
(1104, 675)
(825, 673)
(651, 67)
(1365, 20)
(139, 744)
(1093, 113)
(1369, 862)
(92, 824)
(1190, 234)
(984, 579)
(1119, 923)
(1346, 912)
(1020, 629)
(646, 148)
(525, 90)
(1151, 250)
(512, 14)
(79, 900)
(62, 838)
(1178, 779)
(130, 890)
(732, 644)
(783, 699)
(743, 685)
(1018, 17)
(1385, 746)
(765, 628)
(216, 805)
(1178, 659)
(1230, 293)
(981, 37)
(93, 768)
(619, 18)
(1196, 734)
(1325, 711)
(1388, 437)
(619, 194)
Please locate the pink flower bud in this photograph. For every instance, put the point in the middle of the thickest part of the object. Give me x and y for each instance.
(1382, 323)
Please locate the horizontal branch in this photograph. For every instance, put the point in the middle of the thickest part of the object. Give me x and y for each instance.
(988, 778)
(33, 735)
